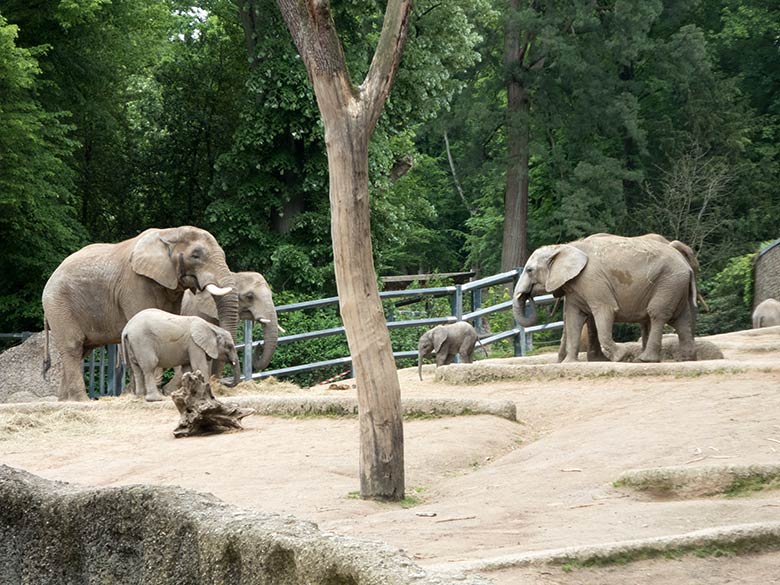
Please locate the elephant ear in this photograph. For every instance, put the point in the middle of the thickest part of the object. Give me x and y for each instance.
(439, 337)
(565, 264)
(205, 337)
(151, 257)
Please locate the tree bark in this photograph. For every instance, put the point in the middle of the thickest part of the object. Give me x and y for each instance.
(349, 116)
(514, 250)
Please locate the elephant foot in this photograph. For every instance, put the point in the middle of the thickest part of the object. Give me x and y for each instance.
(597, 357)
(570, 359)
(616, 354)
(648, 358)
(156, 397)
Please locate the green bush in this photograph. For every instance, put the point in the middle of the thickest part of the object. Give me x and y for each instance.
(729, 296)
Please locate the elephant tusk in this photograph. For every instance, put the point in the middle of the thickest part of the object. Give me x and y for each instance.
(267, 321)
(217, 291)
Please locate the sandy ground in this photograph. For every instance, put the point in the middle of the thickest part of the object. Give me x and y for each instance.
(479, 486)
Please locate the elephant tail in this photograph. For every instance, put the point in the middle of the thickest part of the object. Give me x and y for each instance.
(46, 353)
(483, 348)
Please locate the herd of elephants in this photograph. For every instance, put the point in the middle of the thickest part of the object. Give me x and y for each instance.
(169, 297)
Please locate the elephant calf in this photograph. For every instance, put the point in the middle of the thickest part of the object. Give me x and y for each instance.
(766, 314)
(156, 339)
(447, 341)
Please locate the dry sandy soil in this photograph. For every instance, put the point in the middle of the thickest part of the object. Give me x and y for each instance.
(479, 487)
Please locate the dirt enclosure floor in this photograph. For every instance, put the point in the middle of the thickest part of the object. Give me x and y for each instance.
(482, 491)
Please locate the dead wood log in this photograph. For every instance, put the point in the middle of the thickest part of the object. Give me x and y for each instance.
(201, 413)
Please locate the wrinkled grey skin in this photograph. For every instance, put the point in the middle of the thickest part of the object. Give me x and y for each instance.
(255, 303)
(155, 339)
(634, 280)
(89, 298)
(589, 338)
(766, 314)
(447, 341)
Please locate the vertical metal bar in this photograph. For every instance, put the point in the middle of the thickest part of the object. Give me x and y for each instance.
(476, 304)
(519, 339)
(92, 374)
(248, 350)
(458, 310)
(102, 387)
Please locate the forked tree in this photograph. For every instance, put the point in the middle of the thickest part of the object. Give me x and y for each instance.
(349, 114)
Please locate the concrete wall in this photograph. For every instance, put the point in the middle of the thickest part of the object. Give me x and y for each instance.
(767, 274)
(52, 533)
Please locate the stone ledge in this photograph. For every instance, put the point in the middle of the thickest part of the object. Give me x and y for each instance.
(694, 482)
(298, 406)
(477, 373)
(53, 533)
(735, 539)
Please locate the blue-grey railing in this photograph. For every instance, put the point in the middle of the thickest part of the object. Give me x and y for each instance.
(105, 373)
(523, 336)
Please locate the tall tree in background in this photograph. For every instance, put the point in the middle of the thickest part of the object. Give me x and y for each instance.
(517, 45)
(349, 115)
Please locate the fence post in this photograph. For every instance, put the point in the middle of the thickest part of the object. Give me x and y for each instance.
(92, 374)
(519, 339)
(116, 371)
(247, 350)
(476, 304)
(457, 310)
(102, 388)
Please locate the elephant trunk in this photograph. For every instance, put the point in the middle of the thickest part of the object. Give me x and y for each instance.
(270, 337)
(519, 310)
(227, 305)
(419, 364)
(236, 373)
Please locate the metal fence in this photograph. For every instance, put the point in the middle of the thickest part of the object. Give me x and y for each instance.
(105, 374)
(523, 337)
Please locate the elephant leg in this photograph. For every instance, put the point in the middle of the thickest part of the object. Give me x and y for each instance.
(174, 383)
(645, 328)
(594, 347)
(151, 393)
(72, 385)
(137, 384)
(573, 321)
(604, 320)
(450, 358)
(683, 324)
(199, 361)
(562, 346)
(466, 351)
(652, 351)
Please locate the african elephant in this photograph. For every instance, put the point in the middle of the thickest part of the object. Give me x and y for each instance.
(766, 314)
(93, 293)
(635, 280)
(157, 339)
(589, 338)
(447, 341)
(255, 303)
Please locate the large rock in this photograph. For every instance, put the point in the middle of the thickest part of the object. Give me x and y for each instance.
(21, 367)
(53, 533)
(670, 350)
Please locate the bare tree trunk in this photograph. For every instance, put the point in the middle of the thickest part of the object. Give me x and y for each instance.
(349, 115)
(514, 250)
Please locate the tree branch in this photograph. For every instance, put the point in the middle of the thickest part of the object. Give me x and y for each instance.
(381, 73)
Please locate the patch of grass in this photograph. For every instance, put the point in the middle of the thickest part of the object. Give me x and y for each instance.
(660, 486)
(741, 546)
(745, 486)
(413, 497)
(353, 495)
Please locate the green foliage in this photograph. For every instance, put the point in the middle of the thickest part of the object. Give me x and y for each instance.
(37, 224)
(729, 295)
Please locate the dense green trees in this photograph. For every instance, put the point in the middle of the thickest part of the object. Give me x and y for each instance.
(642, 115)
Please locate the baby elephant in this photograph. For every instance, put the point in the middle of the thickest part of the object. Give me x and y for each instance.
(157, 339)
(447, 341)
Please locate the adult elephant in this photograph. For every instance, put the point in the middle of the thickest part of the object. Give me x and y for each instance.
(635, 280)
(589, 339)
(90, 297)
(255, 303)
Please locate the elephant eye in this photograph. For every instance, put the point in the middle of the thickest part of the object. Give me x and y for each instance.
(197, 254)
(249, 296)
(530, 269)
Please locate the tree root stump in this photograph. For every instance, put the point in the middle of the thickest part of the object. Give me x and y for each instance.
(201, 413)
